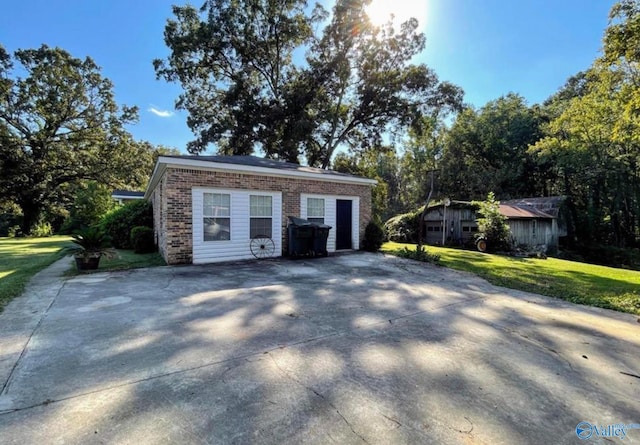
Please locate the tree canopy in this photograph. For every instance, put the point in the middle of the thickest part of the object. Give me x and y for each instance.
(486, 151)
(583, 142)
(247, 85)
(59, 124)
(592, 142)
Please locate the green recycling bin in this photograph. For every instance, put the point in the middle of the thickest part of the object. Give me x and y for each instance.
(301, 237)
(321, 234)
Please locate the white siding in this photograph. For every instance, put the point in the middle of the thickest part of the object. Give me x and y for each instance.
(330, 217)
(237, 248)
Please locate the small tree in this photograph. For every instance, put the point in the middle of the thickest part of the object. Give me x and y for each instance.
(492, 225)
(92, 202)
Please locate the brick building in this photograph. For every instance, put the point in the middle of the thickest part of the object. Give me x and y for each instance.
(207, 209)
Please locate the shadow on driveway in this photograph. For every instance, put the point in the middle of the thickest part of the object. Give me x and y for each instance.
(360, 348)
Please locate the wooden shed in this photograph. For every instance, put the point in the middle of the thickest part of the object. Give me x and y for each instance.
(452, 224)
(533, 222)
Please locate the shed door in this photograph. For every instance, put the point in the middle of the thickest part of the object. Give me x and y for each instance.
(434, 232)
(343, 224)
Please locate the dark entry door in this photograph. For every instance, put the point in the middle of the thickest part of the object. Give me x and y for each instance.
(343, 224)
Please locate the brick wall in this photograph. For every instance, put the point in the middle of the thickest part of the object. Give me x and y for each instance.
(159, 204)
(173, 215)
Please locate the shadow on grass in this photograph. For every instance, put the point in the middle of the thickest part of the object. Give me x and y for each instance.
(23, 258)
(123, 260)
(547, 277)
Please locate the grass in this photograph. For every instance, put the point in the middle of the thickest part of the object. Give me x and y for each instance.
(126, 259)
(581, 283)
(22, 258)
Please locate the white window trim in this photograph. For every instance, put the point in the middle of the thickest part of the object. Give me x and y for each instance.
(238, 247)
(229, 216)
(355, 216)
(269, 195)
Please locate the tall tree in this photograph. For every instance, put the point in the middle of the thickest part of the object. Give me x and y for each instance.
(59, 123)
(487, 150)
(234, 60)
(247, 86)
(366, 85)
(593, 143)
(381, 164)
(423, 150)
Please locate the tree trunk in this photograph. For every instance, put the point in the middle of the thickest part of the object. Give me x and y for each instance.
(424, 212)
(30, 215)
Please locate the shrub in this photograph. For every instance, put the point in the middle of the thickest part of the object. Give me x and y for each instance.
(119, 222)
(492, 225)
(419, 254)
(92, 201)
(14, 231)
(42, 229)
(404, 228)
(374, 237)
(142, 239)
(10, 217)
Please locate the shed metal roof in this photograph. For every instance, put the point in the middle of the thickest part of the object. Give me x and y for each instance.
(517, 212)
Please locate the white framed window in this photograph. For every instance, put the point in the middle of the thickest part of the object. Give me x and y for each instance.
(260, 216)
(216, 216)
(315, 210)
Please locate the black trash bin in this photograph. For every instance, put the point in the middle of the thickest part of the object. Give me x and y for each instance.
(320, 236)
(301, 237)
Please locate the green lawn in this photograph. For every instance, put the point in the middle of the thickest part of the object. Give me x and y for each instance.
(126, 259)
(601, 286)
(22, 258)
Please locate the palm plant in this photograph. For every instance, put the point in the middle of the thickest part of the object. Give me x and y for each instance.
(92, 244)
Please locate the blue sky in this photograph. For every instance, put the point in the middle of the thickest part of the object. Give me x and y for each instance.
(488, 47)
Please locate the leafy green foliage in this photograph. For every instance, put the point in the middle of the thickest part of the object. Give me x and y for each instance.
(142, 239)
(92, 240)
(591, 147)
(243, 89)
(626, 258)
(41, 229)
(487, 150)
(92, 202)
(492, 225)
(374, 237)
(404, 228)
(60, 125)
(380, 164)
(10, 216)
(119, 222)
(418, 254)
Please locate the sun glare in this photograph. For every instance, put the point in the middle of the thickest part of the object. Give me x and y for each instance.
(379, 11)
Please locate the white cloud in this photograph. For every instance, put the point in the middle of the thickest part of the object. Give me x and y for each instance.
(161, 113)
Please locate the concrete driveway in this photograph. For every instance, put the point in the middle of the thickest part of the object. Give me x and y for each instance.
(359, 348)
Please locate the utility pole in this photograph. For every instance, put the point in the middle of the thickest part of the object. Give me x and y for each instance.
(424, 212)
